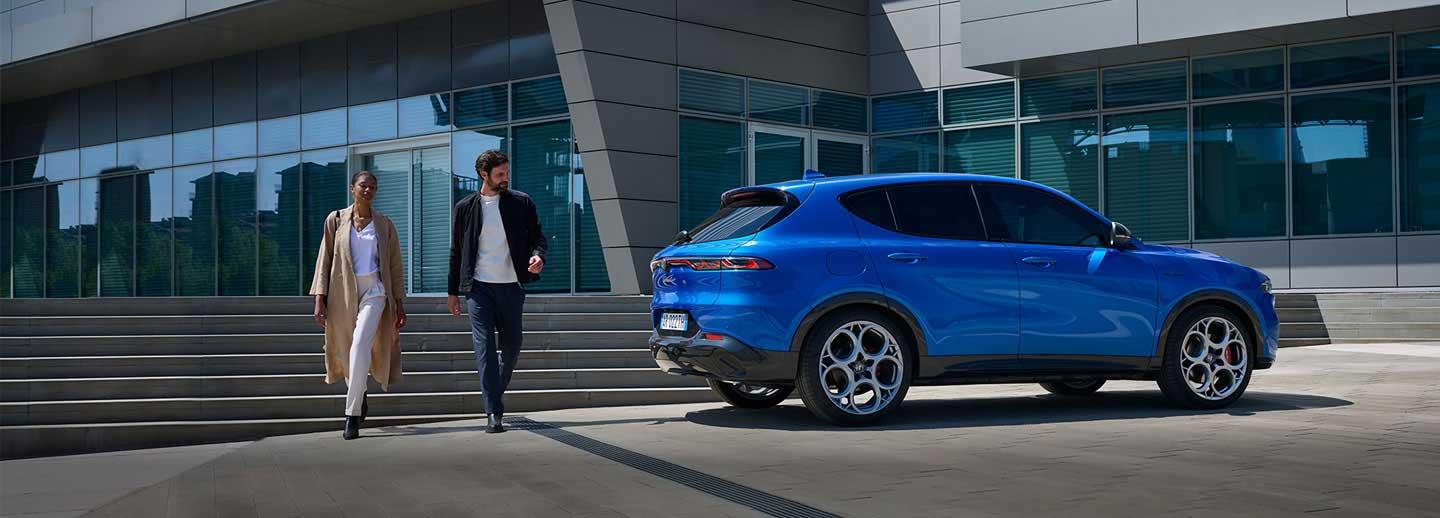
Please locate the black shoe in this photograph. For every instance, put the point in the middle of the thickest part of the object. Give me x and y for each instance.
(495, 425)
(352, 427)
(364, 407)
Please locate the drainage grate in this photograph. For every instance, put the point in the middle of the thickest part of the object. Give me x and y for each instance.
(744, 495)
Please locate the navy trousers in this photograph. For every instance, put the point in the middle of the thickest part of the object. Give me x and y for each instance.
(496, 309)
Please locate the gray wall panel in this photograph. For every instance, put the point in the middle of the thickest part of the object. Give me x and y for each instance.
(199, 7)
(602, 125)
(665, 8)
(631, 175)
(1360, 7)
(1271, 257)
(1343, 263)
(953, 71)
(849, 6)
(50, 34)
(1047, 33)
(781, 19)
(629, 268)
(610, 30)
(905, 30)
(981, 9)
(890, 6)
(1162, 20)
(732, 52)
(950, 22)
(900, 71)
(648, 224)
(591, 76)
(116, 17)
(1419, 260)
(5, 38)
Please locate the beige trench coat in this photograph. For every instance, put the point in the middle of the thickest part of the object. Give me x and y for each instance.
(335, 278)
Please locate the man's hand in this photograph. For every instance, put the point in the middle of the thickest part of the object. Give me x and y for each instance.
(536, 264)
(454, 303)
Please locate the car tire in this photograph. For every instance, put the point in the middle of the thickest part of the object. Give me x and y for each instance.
(740, 395)
(1072, 388)
(1209, 358)
(875, 373)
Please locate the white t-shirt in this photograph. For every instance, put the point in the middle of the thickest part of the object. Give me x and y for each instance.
(362, 249)
(493, 264)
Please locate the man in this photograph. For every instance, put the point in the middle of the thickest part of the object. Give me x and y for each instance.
(495, 245)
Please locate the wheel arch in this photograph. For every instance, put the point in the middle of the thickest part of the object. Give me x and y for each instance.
(1216, 297)
(869, 300)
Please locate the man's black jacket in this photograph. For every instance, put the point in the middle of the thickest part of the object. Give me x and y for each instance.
(522, 232)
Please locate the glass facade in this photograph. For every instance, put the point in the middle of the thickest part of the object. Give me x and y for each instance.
(216, 178)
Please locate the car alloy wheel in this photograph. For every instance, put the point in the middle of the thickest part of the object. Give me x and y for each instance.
(862, 367)
(1214, 358)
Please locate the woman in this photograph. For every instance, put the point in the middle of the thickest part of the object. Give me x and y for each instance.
(359, 298)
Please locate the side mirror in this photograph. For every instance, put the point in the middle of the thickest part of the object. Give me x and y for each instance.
(1120, 236)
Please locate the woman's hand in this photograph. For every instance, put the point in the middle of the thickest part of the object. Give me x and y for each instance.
(320, 310)
(399, 315)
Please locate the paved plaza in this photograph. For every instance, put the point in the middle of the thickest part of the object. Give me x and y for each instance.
(1341, 430)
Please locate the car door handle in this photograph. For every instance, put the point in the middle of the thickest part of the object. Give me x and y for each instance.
(905, 257)
(1043, 262)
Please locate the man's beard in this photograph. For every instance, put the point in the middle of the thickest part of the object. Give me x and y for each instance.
(499, 187)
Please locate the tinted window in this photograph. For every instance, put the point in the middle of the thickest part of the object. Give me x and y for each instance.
(97, 114)
(424, 54)
(1027, 215)
(946, 210)
(372, 64)
(234, 89)
(742, 215)
(480, 57)
(278, 82)
(322, 73)
(143, 106)
(872, 206)
(193, 99)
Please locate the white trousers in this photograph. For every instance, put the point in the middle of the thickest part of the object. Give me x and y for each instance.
(367, 321)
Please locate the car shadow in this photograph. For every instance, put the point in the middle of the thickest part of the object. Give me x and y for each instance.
(930, 414)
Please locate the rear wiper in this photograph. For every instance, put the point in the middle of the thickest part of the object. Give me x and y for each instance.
(682, 238)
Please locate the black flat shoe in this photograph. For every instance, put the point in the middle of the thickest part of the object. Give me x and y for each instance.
(352, 427)
(495, 425)
(364, 407)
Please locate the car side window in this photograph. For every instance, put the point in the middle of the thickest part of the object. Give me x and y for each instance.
(944, 210)
(872, 206)
(1026, 215)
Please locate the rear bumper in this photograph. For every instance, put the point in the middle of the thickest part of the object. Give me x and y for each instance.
(726, 359)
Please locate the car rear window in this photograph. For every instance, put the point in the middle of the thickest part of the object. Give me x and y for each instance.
(741, 215)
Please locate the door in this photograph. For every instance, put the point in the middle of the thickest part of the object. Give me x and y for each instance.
(928, 244)
(414, 192)
(778, 154)
(839, 155)
(1082, 304)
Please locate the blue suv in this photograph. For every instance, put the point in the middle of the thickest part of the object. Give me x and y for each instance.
(853, 289)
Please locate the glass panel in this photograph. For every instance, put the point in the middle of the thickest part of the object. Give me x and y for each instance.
(154, 235)
(117, 237)
(323, 78)
(279, 135)
(277, 199)
(1235, 74)
(778, 158)
(424, 54)
(1419, 54)
(532, 52)
(424, 114)
(235, 141)
(278, 78)
(481, 106)
(1058, 94)
(146, 153)
(89, 237)
(946, 211)
(465, 147)
(716, 93)
(1420, 157)
(235, 89)
(324, 192)
(873, 206)
(839, 111)
(541, 168)
(372, 122)
(97, 160)
(29, 242)
(538, 98)
(1029, 215)
(62, 243)
(905, 153)
(1340, 162)
(142, 106)
(779, 103)
(24, 128)
(1145, 84)
(194, 202)
(6, 221)
(97, 114)
(322, 129)
(194, 147)
(192, 102)
(62, 122)
(235, 224)
(904, 111)
(28, 170)
(712, 161)
(989, 151)
(1341, 62)
(838, 158)
(5, 170)
(590, 274)
(980, 103)
(480, 57)
(373, 71)
(1240, 170)
(392, 194)
(1061, 154)
(64, 165)
(430, 266)
(1146, 174)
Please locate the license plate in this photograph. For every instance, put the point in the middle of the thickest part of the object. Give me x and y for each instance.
(673, 321)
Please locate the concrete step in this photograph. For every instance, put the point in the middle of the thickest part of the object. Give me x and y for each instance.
(281, 323)
(1366, 314)
(159, 306)
(313, 406)
(19, 441)
(285, 343)
(1372, 330)
(300, 363)
(1429, 298)
(70, 389)
(1300, 342)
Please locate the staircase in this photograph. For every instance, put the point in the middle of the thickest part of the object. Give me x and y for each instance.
(1356, 317)
(111, 374)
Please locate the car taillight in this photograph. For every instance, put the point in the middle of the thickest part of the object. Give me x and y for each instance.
(720, 263)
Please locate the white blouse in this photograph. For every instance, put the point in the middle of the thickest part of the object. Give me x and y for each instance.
(362, 249)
